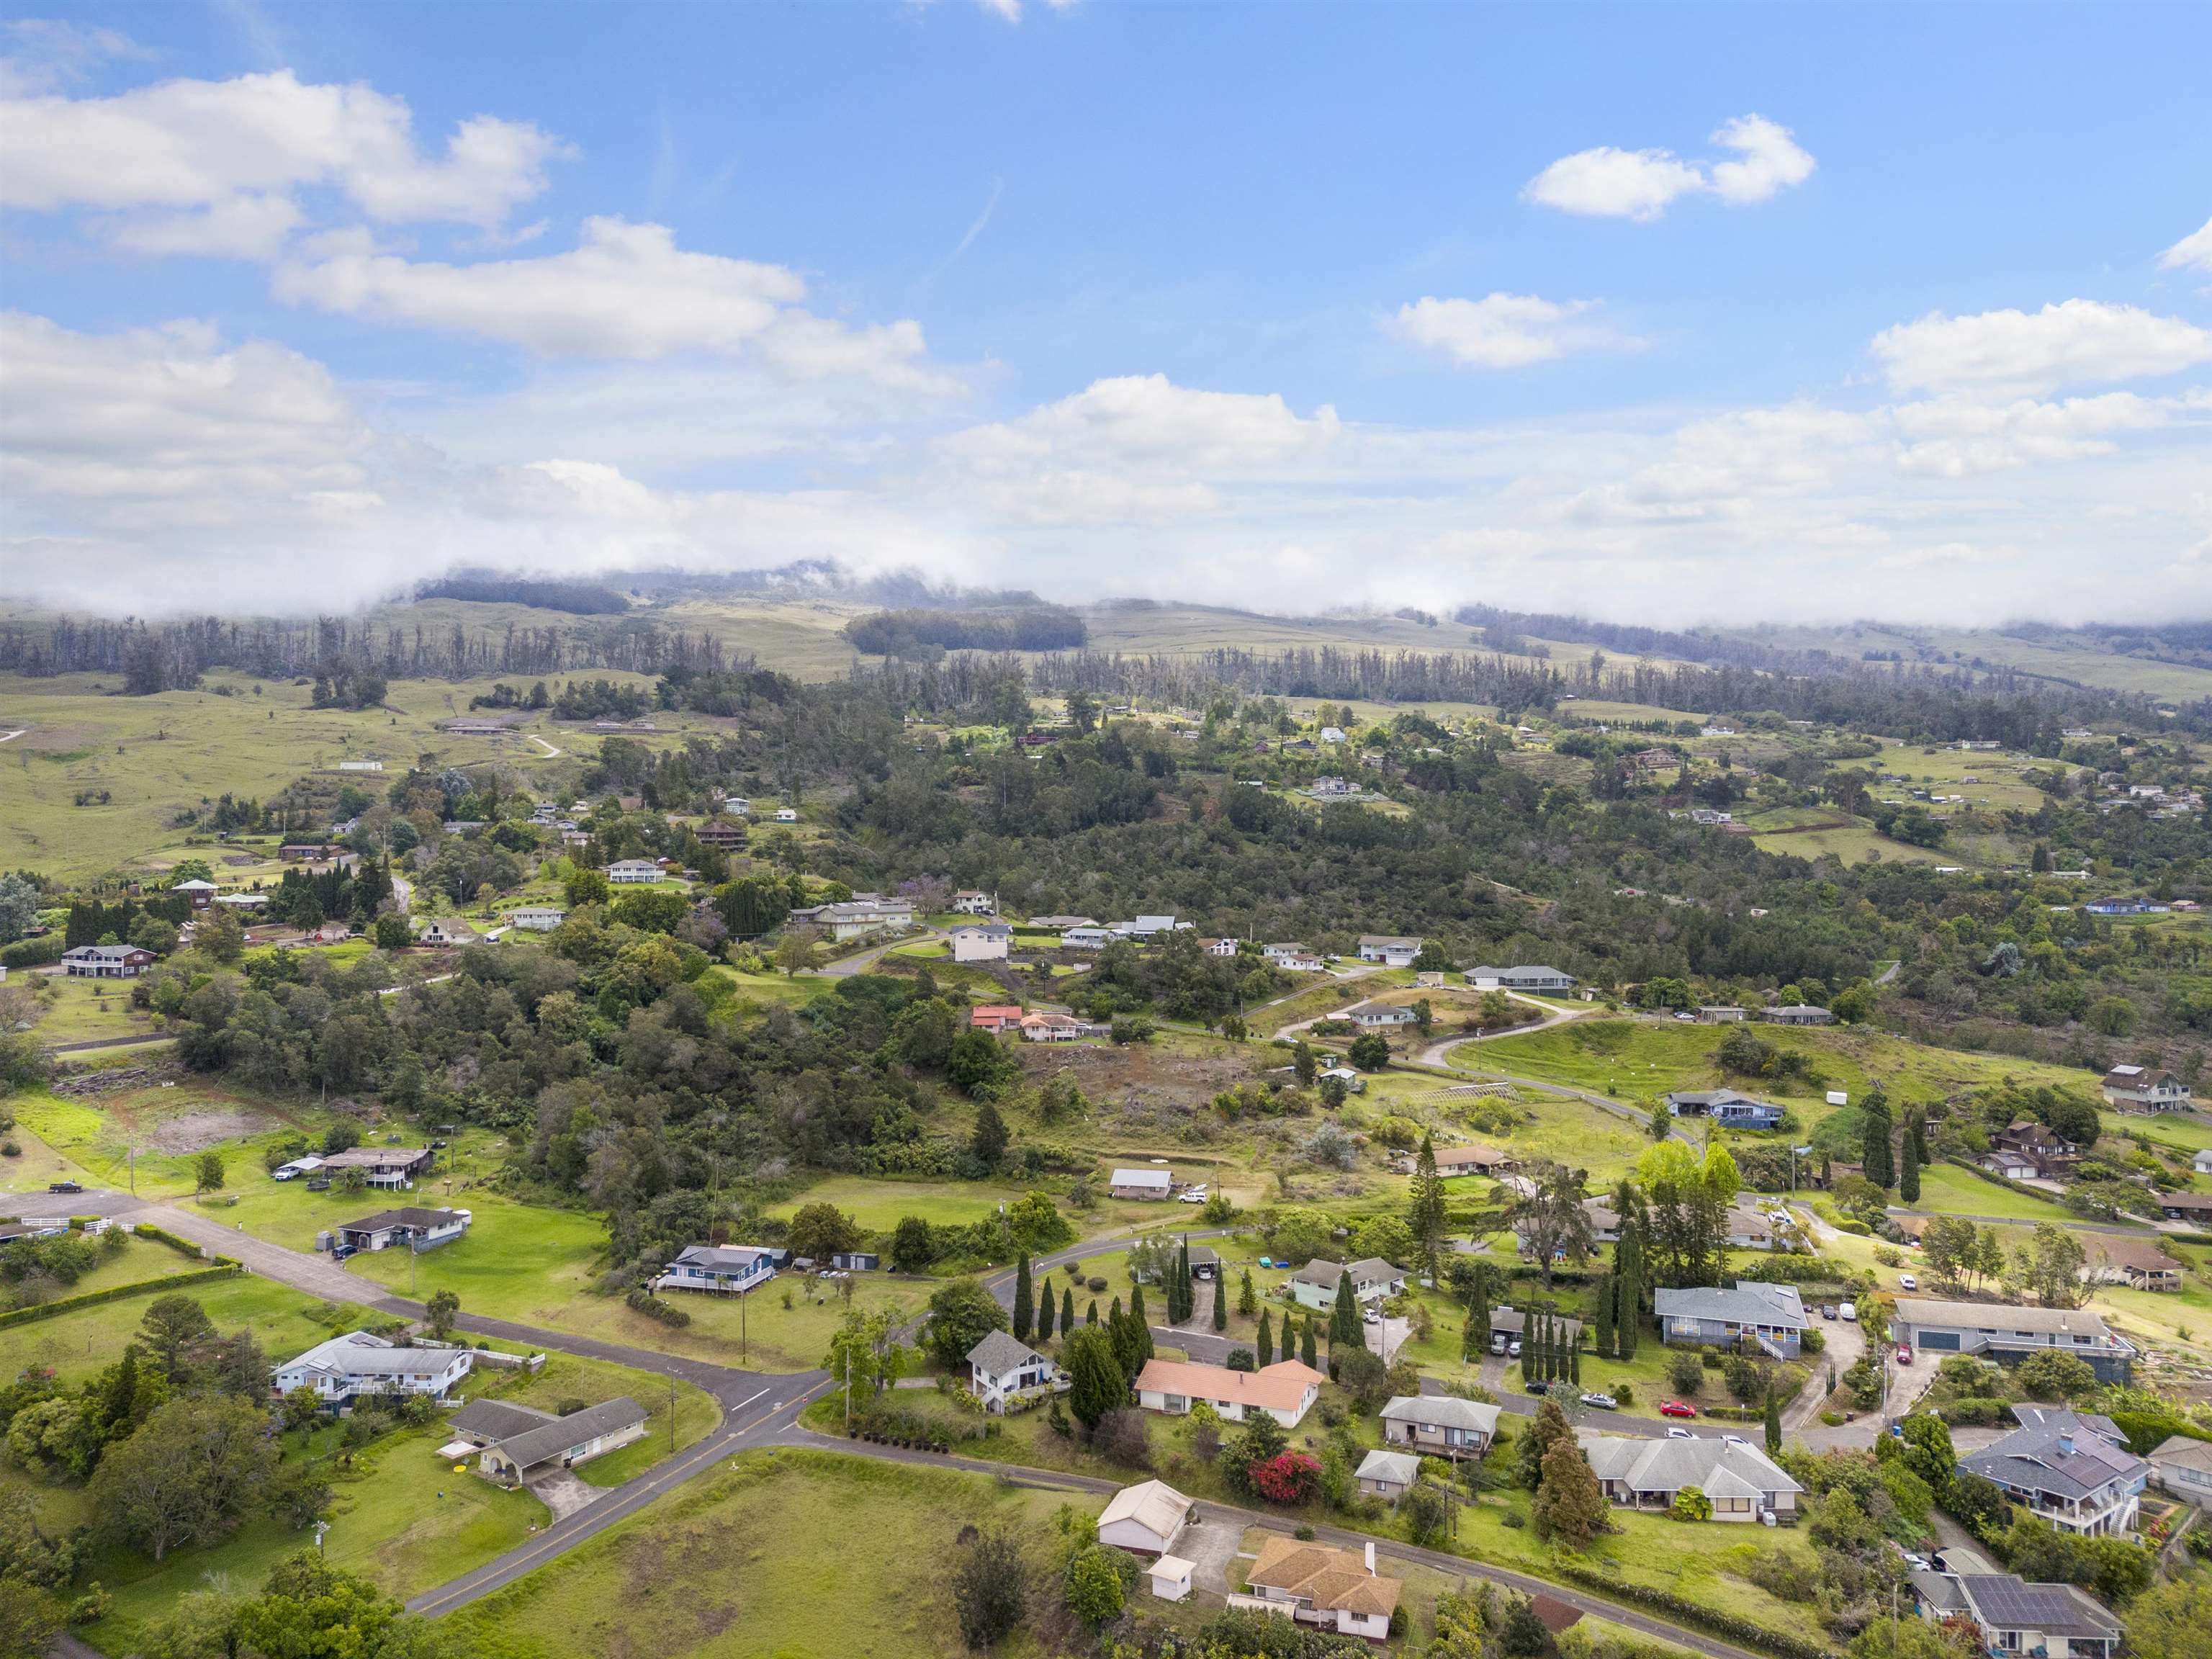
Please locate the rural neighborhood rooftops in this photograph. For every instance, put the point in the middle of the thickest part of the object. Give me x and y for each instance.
(1156, 1507)
(725, 1258)
(493, 1420)
(1280, 1387)
(375, 1158)
(364, 1353)
(2060, 1452)
(410, 1216)
(1373, 1271)
(2005, 1601)
(1159, 1178)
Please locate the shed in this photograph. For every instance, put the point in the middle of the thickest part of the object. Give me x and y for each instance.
(1170, 1577)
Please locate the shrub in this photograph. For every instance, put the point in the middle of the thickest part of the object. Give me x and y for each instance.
(1690, 1503)
(1124, 1436)
(1286, 1478)
(1684, 1372)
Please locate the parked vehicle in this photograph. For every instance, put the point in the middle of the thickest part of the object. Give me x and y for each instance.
(1498, 1342)
(1195, 1195)
(1907, 1282)
(65, 1186)
(1849, 1311)
(1904, 1354)
(1676, 1408)
(1539, 1388)
(1513, 1348)
(1679, 1434)
(1827, 1310)
(1370, 1317)
(1604, 1402)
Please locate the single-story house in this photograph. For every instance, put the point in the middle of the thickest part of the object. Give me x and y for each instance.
(1441, 1425)
(1314, 1285)
(1088, 936)
(1379, 1016)
(2008, 1334)
(2203, 1161)
(1464, 1160)
(536, 918)
(380, 1166)
(2056, 1621)
(1772, 1315)
(1062, 924)
(855, 918)
(2137, 1263)
(2071, 1468)
(1145, 1519)
(106, 961)
(1354, 1079)
(1719, 1014)
(483, 1422)
(2195, 1207)
(1316, 1584)
(1048, 1027)
(1739, 1478)
(445, 931)
(1391, 949)
(982, 941)
(361, 1363)
(1287, 1389)
(241, 901)
(1141, 1184)
(1798, 1013)
(2182, 1467)
(1728, 1107)
(2145, 1088)
(1001, 1368)
(784, 815)
(415, 1229)
(727, 1267)
(1520, 979)
(1283, 951)
(1205, 1261)
(1512, 1324)
(856, 1261)
(1388, 1474)
(630, 871)
(1143, 928)
(994, 1016)
(563, 1442)
(1749, 1230)
(2012, 1165)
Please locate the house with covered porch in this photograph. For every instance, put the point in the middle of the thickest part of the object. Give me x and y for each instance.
(1770, 1316)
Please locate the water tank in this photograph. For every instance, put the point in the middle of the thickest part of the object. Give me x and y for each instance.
(322, 1241)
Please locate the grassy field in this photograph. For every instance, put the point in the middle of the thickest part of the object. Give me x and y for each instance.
(76, 1344)
(87, 1010)
(141, 1262)
(1946, 1191)
(146, 1139)
(1641, 1060)
(1852, 844)
(789, 1554)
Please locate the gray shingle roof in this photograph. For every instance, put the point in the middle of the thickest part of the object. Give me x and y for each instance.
(1749, 1303)
(1444, 1410)
(2037, 1459)
(497, 1419)
(999, 1352)
(549, 1440)
(1730, 1468)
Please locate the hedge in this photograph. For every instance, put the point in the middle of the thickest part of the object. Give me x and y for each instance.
(162, 1236)
(34, 952)
(1727, 1625)
(117, 1293)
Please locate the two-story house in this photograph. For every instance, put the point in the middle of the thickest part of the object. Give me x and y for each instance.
(1391, 949)
(2047, 1154)
(1002, 1369)
(2055, 1621)
(2006, 1334)
(2070, 1469)
(2145, 1088)
(1440, 1424)
(1314, 1285)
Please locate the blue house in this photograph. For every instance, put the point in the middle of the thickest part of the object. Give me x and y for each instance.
(1726, 1107)
(727, 1267)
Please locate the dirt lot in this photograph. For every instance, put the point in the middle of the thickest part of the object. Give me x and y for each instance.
(1154, 1073)
(192, 1131)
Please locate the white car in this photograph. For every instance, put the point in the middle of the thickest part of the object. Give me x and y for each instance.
(1195, 1195)
(1907, 1282)
(1848, 1310)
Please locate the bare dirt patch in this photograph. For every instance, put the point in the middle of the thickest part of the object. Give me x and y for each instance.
(195, 1132)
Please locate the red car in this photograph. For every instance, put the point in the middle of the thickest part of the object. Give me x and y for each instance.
(1904, 1353)
(1676, 1408)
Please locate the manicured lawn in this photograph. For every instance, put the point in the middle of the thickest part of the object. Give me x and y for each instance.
(797, 1554)
(1947, 1191)
(283, 1320)
(773, 988)
(141, 1262)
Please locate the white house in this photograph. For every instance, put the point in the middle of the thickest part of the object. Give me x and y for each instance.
(106, 961)
(362, 1363)
(1145, 1519)
(1141, 1184)
(1550, 981)
(2203, 1161)
(1314, 1285)
(969, 902)
(2182, 1467)
(1391, 949)
(1287, 1389)
(537, 918)
(982, 941)
(1316, 1584)
(1442, 1425)
(405, 1229)
(786, 815)
(1087, 936)
(559, 1443)
(1001, 1370)
(2145, 1088)
(624, 872)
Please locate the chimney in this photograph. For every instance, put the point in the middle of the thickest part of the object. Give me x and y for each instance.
(1370, 1556)
(2066, 1444)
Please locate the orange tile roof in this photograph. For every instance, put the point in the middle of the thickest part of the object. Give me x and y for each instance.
(1280, 1387)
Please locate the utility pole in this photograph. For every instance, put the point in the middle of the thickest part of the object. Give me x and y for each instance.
(672, 1414)
(849, 1385)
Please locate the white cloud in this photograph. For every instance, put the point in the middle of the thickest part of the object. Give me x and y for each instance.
(2192, 253)
(202, 144)
(1772, 161)
(1956, 437)
(1643, 184)
(243, 226)
(2071, 343)
(1501, 331)
(627, 292)
(45, 53)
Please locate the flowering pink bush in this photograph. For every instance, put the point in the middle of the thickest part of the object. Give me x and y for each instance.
(1286, 1478)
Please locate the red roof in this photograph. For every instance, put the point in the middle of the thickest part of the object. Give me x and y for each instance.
(993, 1016)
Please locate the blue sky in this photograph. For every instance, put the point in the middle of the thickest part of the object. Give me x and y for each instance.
(1725, 313)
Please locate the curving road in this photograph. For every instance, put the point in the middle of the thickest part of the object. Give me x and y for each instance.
(761, 1411)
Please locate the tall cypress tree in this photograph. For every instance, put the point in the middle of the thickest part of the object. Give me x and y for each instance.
(1025, 1300)
(1908, 1178)
(1265, 1345)
(1773, 1419)
(1343, 1317)
(1068, 1312)
(1090, 1314)
(1604, 1316)
(1917, 1126)
(1044, 1314)
(1881, 1163)
(1425, 1215)
(1181, 1295)
(1478, 1312)
(1628, 1290)
(1575, 1360)
(1307, 1351)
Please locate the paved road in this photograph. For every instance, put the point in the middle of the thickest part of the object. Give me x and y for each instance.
(1437, 1053)
(109, 1042)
